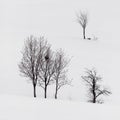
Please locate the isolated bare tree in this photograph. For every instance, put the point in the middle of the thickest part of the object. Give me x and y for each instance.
(95, 90)
(60, 77)
(46, 70)
(82, 19)
(31, 58)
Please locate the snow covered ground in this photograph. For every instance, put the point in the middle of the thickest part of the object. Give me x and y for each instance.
(25, 108)
(56, 20)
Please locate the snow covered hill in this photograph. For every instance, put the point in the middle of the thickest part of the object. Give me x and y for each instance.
(56, 20)
(25, 108)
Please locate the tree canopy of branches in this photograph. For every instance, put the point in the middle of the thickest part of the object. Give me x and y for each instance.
(42, 66)
(31, 56)
(60, 77)
(47, 70)
(82, 19)
(95, 90)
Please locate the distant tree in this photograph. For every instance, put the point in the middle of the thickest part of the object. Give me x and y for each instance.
(31, 57)
(46, 70)
(82, 19)
(95, 90)
(60, 77)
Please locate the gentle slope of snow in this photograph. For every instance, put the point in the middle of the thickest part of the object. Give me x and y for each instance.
(23, 108)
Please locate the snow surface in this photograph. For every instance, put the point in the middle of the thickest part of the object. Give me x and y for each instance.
(25, 108)
(56, 20)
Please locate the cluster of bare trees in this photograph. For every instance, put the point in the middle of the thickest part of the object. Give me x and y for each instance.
(42, 66)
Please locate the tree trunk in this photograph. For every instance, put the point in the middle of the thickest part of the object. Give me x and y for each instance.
(56, 89)
(84, 33)
(45, 94)
(94, 96)
(94, 99)
(56, 92)
(34, 90)
(56, 95)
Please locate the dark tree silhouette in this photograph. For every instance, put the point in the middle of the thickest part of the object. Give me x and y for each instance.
(95, 90)
(46, 70)
(31, 58)
(60, 77)
(82, 19)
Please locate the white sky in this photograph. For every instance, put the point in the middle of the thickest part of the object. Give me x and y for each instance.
(56, 19)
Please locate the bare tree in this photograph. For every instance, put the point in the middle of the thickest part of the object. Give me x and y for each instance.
(60, 77)
(46, 70)
(95, 90)
(31, 58)
(82, 19)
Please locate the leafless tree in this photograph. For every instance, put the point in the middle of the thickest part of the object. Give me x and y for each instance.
(60, 77)
(46, 70)
(95, 90)
(82, 19)
(31, 58)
